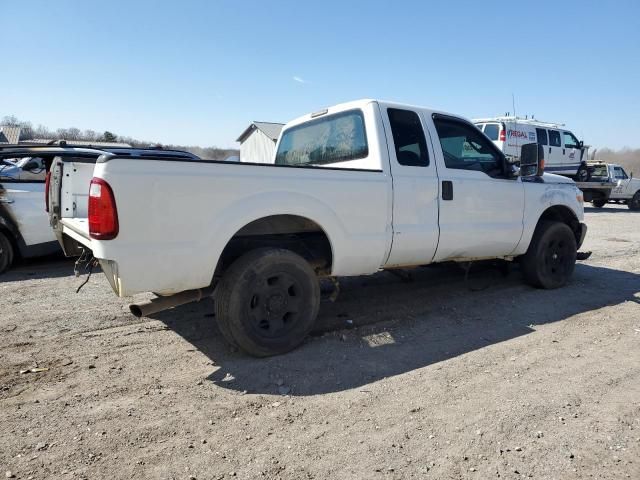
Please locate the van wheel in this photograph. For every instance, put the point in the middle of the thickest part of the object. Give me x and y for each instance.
(551, 257)
(267, 301)
(583, 175)
(599, 203)
(634, 203)
(6, 253)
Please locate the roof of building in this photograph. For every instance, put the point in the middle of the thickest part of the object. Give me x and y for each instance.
(9, 134)
(270, 129)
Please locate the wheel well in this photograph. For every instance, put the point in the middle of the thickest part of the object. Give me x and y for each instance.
(559, 213)
(298, 234)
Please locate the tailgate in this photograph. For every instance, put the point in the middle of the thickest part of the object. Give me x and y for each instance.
(68, 197)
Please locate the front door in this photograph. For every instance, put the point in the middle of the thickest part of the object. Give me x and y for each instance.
(481, 208)
(622, 188)
(415, 188)
(571, 151)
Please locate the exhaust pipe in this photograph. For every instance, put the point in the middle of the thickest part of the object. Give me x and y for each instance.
(159, 304)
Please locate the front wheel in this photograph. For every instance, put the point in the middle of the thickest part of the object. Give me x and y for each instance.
(634, 203)
(267, 301)
(6, 253)
(551, 257)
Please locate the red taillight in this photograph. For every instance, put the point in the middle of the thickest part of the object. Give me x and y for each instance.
(46, 191)
(103, 216)
(503, 134)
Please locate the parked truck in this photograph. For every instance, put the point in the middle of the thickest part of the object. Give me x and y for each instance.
(24, 224)
(624, 188)
(354, 189)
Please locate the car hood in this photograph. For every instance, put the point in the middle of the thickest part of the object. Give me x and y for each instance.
(9, 171)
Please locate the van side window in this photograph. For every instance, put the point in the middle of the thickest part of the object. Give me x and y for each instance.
(491, 130)
(408, 138)
(465, 148)
(554, 138)
(541, 133)
(570, 141)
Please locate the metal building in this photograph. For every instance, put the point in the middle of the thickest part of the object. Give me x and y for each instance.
(258, 142)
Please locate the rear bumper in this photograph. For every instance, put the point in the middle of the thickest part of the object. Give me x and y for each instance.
(583, 233)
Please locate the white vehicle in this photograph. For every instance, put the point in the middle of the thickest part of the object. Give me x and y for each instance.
(564, 153)
(356, 188)
(24, 223)
(626, 189)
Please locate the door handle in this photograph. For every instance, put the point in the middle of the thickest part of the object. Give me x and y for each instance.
(447, 190)
(549, 149)
(563, 151)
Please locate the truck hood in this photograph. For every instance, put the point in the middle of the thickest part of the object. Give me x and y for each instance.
(553, 178)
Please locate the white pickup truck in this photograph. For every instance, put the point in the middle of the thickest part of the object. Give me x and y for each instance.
(625, 188)
(356, 188)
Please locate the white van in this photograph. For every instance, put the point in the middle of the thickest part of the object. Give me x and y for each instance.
(564, 153)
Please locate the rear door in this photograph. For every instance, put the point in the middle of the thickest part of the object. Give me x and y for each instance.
(415, 188)
(554, 159)
(481, 209)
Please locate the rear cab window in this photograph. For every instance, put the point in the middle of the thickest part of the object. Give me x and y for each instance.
(325, 141)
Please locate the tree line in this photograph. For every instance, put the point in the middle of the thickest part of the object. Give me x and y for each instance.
(29, 132)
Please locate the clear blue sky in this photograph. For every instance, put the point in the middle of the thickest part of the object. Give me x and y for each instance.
(197, 72)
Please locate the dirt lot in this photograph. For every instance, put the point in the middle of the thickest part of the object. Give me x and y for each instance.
(439, 378)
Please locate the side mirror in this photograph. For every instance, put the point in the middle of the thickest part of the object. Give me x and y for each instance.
(531, 160)
(630, 175)
(581, 144)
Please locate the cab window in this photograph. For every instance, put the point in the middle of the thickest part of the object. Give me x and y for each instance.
(408, 138)
(554, 138)
(541, 133)
(492, 130)
(465, 148)
(570, 141)
(620, 173)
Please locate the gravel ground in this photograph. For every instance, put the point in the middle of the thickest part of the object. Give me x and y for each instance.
(436, 377)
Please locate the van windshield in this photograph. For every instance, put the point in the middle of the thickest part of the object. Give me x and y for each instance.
(335, 138)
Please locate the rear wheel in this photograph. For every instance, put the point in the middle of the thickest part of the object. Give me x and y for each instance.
(551, 257)
(634, 203)
(6, 252)
(582, 175)
(267, 301)
(598, 203)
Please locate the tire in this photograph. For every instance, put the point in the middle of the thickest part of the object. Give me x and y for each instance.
(551, 257)
(267, 301)
(634, 203)
(583, 175)
(599, 203)
(6, 252)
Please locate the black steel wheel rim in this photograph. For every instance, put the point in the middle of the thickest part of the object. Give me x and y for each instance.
(557, 259)
(275, 305)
